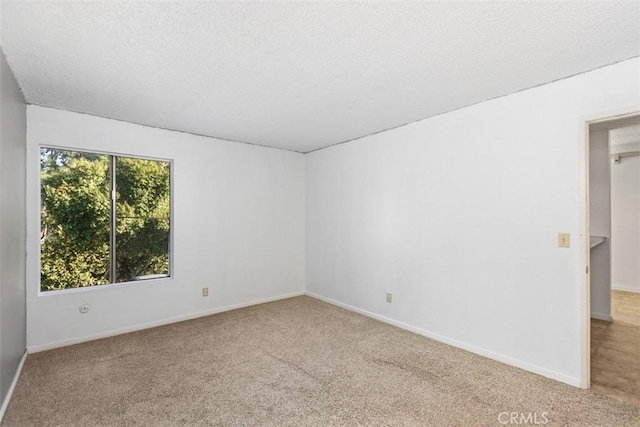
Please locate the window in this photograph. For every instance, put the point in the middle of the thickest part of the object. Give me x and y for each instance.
(88, 237)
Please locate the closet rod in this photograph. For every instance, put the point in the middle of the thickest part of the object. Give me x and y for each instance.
(618, 156)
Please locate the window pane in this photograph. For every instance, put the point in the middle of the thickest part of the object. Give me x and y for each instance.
(74, 218)
(143, 211)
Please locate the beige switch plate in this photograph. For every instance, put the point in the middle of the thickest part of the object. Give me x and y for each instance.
(389, 298)
(205, 292)
(564, 240)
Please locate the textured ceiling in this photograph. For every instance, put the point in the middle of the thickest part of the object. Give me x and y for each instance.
(629, 135)
(301, 75)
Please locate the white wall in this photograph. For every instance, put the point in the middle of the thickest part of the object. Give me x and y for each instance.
(238, 229)
(625, 224)
(457, 216)
(12, 228)
(600, 223)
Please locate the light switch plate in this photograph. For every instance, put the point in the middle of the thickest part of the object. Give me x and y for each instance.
(564, 240)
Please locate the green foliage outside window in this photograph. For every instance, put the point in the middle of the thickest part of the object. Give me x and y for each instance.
(76, 219)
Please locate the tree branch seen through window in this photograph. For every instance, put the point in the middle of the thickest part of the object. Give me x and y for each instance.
(87, 238)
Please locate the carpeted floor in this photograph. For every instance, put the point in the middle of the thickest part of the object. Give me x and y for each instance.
(296, 362)
(615, 349)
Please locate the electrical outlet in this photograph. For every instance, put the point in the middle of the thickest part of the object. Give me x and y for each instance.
(389, 298)
(205, 292)
(564, 240)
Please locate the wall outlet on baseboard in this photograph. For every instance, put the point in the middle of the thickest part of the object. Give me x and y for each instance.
(205, 292)
(389, 298)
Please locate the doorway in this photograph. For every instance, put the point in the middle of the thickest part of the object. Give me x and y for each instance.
(613, 275)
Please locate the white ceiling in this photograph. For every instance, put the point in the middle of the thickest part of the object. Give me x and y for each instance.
(301, 75)
(620, 138)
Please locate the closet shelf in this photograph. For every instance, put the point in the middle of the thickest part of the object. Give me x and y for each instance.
(596, 240)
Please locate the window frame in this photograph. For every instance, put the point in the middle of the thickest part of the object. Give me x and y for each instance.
(113, 155)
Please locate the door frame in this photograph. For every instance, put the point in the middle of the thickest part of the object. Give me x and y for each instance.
(585, 261)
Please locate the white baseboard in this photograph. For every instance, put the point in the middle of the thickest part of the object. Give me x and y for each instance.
(12, 387)
(140, 326)
(625, 288)
(455, 343)
(600, 316)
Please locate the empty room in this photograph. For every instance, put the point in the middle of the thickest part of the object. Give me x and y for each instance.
(319, 213)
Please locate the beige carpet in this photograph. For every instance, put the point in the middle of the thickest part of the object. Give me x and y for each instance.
(615, 349)
(297, 362)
